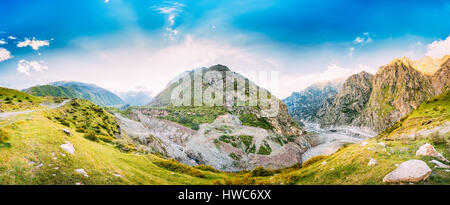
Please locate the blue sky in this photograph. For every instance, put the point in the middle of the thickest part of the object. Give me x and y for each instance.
(142, 44)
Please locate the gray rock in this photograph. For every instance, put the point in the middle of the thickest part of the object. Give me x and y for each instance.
(440, 164)
(428, 150)
(68, 147)
(372, 162)
(82, 172)
(409, 171)
(66, 131)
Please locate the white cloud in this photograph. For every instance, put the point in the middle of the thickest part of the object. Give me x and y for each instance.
(171, 9)
(35, 44)
(4, 54)
(12, 37)
(439, 48)
(26, 67)
(364, 39)
(3, 42)
(106, 1)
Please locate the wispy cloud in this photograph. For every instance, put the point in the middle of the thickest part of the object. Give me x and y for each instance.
(171, 9)
(438, 49)
(3, 42)
(35, 44)
(365, 38)
(4, 54)
(12, 37)
(106, 1)
(26, 67)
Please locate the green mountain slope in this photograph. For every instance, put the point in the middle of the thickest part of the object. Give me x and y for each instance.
(31, 151)
(50, 90)
(71, 89)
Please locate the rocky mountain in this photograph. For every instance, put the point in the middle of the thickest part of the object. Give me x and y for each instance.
(72, 89)
(347, 104)
(228, 137)
(378, 101)
(303, 105)
(136, 98)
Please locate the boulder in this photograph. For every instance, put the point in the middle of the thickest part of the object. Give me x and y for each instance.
(68, 147)
(409, 171)
(428, 150)
(82, 172)
(372, 162)
(66, 131)
(440, 164)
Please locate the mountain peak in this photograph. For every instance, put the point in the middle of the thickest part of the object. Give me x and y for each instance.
(218, 67)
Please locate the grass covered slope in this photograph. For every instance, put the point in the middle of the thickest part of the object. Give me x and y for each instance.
(427, 121)
(13, 100)
(50, 90)
(32, 153)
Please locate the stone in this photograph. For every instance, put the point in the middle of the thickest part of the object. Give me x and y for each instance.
(372, 162)
(68, 147)
(382, 144)
(363, 144)
(118, 175)
(409, 171)
(428, 150)
(82, 172)
(324, 162)
(66, 131)
(440, 164)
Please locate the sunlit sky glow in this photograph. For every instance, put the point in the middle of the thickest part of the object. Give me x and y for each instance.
(141, 45)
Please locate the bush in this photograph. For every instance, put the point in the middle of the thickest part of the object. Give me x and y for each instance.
(175, 166)
(438, 139)
(236, 180)
(265, 149)
(206, 168)
(313, 160)
(261, 172)
(4, 136)
(91, 136)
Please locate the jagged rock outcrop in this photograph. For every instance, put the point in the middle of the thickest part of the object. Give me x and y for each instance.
(440, 79)
(398, 88)
(394, 91)
(303, 105)
(347, 105)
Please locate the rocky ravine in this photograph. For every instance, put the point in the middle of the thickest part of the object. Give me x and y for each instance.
(225, 144)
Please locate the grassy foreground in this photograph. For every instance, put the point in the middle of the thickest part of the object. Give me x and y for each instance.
(30, 153)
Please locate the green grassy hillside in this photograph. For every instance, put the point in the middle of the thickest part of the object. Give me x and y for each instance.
(31, 154)
(50, 90)
(11, 100)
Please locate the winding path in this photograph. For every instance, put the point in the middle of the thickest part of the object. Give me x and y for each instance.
(49, 107)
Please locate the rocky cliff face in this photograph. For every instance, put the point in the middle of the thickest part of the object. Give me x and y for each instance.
(441, 79)
(303, 106)
(398, 88)
(395, 90)
(348, 103)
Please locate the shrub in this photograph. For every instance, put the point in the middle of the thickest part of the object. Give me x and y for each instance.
(90, 135)
(265, 149)
(261, 172)
(313, 160)
(206, 168)
(437, 139)
(236, 180)
(4, 136)
(175, 166)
